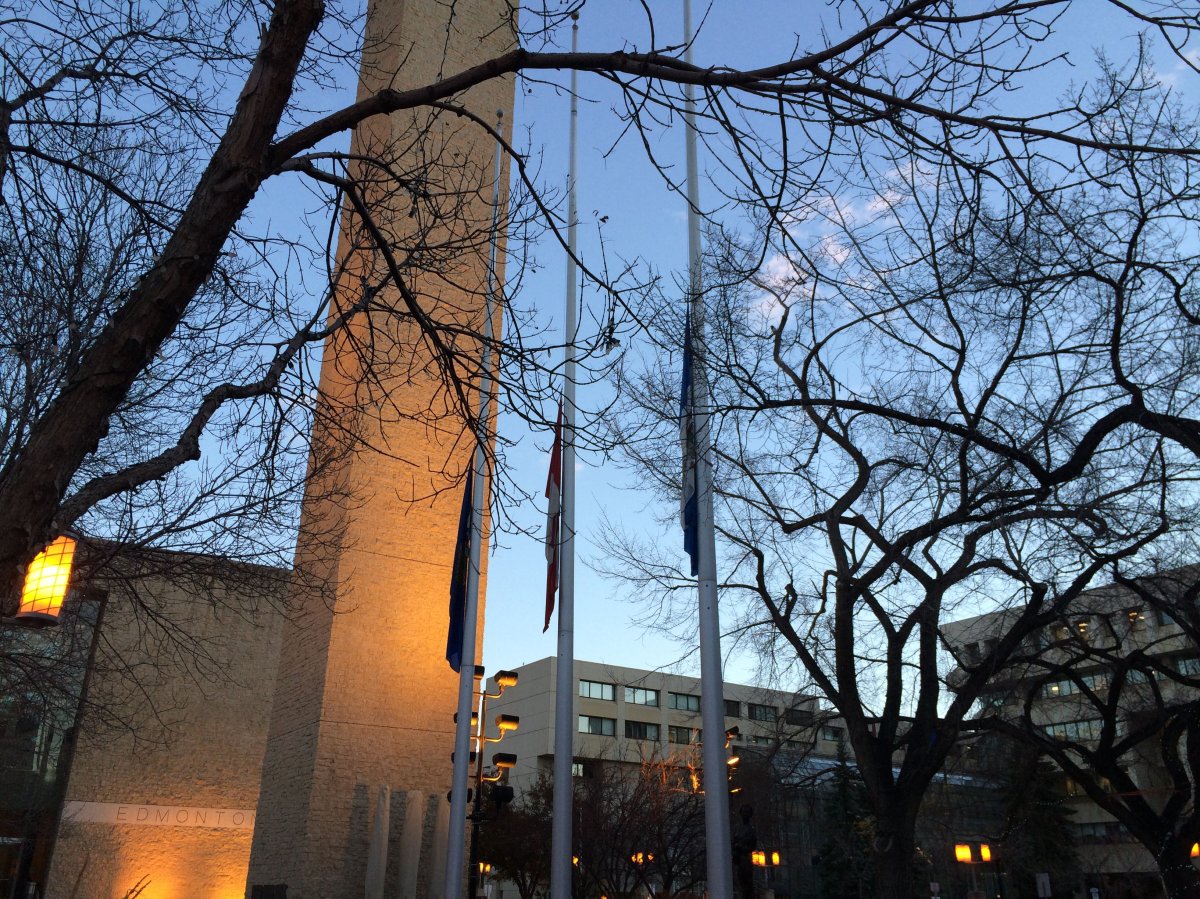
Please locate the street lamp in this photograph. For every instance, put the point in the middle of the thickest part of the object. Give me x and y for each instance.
(46, 583)
(502, 762)
(972, 854)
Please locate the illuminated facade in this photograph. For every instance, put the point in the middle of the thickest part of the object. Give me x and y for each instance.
(127, 766)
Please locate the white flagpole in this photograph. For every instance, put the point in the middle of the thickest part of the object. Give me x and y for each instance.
(564, 681)
(712, 692)
(466, 673)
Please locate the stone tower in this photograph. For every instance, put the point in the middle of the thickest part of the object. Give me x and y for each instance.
(364, 696)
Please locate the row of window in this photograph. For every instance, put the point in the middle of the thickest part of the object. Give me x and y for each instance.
(1104, 832)
(683, 736)
(607, 727)
(1075, 731)
(690, 702)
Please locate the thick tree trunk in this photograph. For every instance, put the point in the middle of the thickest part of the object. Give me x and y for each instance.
(33, 486)
(894, 848)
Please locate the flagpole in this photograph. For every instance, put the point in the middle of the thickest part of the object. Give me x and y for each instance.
(712, 692)
(466, 673)
(564, 682)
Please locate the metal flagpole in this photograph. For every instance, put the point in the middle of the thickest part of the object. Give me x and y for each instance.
(564, 682)
(712, 693)
(466, 673)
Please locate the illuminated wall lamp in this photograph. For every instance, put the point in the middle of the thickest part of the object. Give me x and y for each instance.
(505, 723)
(46, 583)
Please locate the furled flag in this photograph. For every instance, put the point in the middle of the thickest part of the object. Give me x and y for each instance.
(458, 578)
(553, 516)
(688, 495)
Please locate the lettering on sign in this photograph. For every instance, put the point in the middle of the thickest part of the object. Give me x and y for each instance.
(156, 815)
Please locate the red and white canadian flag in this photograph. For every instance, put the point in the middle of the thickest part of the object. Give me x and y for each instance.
(553, 517)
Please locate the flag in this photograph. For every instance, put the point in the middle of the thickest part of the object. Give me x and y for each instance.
(689, 494)
(458, 578)
(553, 516)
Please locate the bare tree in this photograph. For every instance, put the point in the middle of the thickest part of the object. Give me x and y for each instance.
(1108, 694)
(170, 119)
(920, 411)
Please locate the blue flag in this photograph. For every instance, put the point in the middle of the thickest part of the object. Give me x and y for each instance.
(458, 579)
(688, 495)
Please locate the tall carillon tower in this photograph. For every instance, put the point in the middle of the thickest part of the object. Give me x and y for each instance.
(364, 696)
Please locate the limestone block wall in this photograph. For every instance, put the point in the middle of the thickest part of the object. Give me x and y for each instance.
(167, 803)
(364, 695)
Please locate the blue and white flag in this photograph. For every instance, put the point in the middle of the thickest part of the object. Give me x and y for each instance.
(689, 494)
(458, 577)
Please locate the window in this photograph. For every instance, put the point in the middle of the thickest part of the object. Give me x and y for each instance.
(1074, 730)
(988, 701)
(1162, 618)
(684, 702)
(798, 717)
(1097, 681)
(591, 689)
(1103, 832)
(641, 730)
(757, 740)
(583, 769)
(733, 708)
(591, 724)
(682, 735)
(833, 734)
(1188, 667)
(762, 712)
(641, 696)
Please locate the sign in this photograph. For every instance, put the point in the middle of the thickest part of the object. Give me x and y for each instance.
(1043, 886)
(156, 815)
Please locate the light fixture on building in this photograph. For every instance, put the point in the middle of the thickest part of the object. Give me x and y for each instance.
(506, 723)
(46, 583)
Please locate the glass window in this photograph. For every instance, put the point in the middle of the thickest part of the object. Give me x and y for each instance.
(641, 730)
(757, 740)
(641, 696)
(834, 734)
(591, 689)
(1162, 618)
(681, 735)
(762, 712)
(1188, 667)
(1074, 731)
(591, 724)
(798, 717)
(733, 708)
(685, 702)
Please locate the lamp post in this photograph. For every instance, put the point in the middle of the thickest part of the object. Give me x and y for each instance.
(973, 854)
(502, 762)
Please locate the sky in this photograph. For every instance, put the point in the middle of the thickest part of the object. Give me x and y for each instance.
(621, 196)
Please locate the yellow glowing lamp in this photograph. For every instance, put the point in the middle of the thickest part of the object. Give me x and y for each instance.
(507, 722)
(485, 868)
(505, 678)
(985, 852)
(575, 860)
(1195, 850)
(962, 853)
(46, 582)
(758, 858)
(775, 858)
